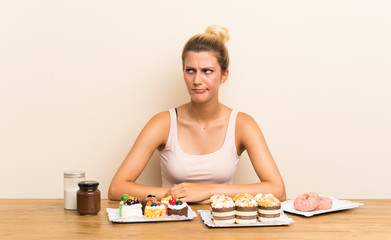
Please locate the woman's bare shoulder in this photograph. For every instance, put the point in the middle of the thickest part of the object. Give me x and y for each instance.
(244, 120)
(157, 129)
(160, 120)
(162, 116)
(247, 127)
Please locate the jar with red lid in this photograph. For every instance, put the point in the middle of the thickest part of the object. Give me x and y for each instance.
(88, 198)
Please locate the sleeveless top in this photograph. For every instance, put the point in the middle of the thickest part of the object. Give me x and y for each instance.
(214, 168)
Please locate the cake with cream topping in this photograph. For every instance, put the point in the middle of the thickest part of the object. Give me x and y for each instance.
(223, 210)
(241, 195)
(129, 207)
(177, 207)
(215, 197)
(246, 210)
(269, 207)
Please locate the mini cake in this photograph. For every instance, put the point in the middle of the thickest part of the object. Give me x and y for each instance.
(177, 207)
(154, 209)
(223, 210)
(215, 196)
(164, 201)
(246, 210)
(269, 207)
(147, 199)
(129, 207)
(237, 196)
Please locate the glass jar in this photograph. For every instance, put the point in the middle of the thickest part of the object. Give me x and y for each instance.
(71, 179)
(88, 198)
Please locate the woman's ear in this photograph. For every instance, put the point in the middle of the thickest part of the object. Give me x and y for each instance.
(224, 76)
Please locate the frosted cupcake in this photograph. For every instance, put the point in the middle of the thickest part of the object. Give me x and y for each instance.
(246, 210)
(223, 210)
(241, 195)
(216, 196)
(269, 207)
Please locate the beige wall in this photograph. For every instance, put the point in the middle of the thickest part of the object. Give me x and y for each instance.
(79, 79)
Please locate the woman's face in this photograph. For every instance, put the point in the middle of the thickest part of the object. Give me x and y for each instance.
(203, 76)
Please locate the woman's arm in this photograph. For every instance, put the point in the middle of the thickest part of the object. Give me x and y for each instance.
(248, 137)
(153, 136)
(251, 139)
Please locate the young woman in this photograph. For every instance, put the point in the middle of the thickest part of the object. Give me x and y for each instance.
(200, 142)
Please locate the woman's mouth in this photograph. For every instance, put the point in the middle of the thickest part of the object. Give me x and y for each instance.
(196, 90)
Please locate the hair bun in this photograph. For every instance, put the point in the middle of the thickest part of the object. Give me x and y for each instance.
(219, 31)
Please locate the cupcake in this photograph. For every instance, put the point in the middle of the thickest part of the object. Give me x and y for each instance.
(223, 210)
(241, 195)
(269, 207)
(246, 210)
(216, 196)
(177, 207)
(129, 207)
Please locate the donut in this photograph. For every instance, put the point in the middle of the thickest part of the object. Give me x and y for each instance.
(307, 202)
(325, 203)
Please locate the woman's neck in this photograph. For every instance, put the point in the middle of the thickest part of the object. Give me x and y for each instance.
(204, 112)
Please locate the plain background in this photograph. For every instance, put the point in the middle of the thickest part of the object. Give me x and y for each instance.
(79, 80)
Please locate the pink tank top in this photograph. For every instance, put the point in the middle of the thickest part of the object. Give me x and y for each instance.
(214, 168)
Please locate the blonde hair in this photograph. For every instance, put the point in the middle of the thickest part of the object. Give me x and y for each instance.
(212, 40)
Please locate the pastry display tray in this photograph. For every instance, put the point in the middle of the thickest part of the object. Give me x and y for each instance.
(113, 215)
(206, 218)
(338, 205)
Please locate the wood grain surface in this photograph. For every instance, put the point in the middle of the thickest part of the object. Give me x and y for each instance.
(46, 219)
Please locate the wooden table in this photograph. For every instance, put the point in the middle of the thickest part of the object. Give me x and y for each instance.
(46, 219)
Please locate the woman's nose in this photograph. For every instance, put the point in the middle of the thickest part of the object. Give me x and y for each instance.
(197, 78)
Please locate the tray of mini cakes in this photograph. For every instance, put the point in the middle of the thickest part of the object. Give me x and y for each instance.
(150, 209)
(244, 210)
(311, 203)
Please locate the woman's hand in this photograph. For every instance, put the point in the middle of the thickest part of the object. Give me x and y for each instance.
(190, 192)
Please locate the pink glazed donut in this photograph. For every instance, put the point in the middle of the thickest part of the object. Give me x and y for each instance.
(325, 203)
(307, 202)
